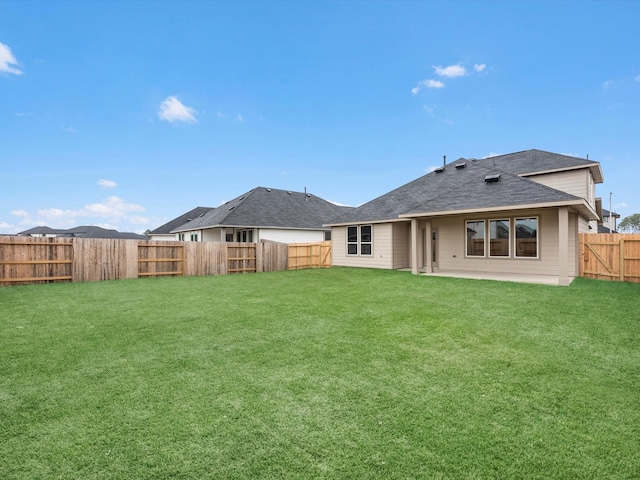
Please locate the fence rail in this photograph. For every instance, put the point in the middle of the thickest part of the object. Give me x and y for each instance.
(610, 256)
(25, 260)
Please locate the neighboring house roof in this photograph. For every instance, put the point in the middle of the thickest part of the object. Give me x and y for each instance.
(607, 213)
(455, 188)
(181, 220)
(269, 208)
(85, 231)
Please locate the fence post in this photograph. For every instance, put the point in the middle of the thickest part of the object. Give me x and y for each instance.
(622, 260)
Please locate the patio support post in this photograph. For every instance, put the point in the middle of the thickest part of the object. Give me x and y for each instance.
(415, 236)
(563, 246)
(428, 263)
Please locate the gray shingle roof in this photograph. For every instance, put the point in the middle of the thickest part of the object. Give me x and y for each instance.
(269, 207)
(459, 189)
(181, 220)
(84, 231)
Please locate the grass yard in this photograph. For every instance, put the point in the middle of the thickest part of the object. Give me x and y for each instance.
(338, 373)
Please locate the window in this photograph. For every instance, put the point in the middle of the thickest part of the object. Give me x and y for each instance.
(194, 236)
(499, 236)
(360, 240)
(526, 237)
(475, 238)
(352, 240)
(181, 237)
(244, 236)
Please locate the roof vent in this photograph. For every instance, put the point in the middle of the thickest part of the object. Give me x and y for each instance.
(201, 215)
(231, 208)
(308, 195)
(492, 178)
(289, 193)
(439, 170)
(268, 189)
(461, 166)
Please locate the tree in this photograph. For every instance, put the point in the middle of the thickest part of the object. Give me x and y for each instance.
(630, 224)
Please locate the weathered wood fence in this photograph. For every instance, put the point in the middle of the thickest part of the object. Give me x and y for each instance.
(309, 255)
(610, 256)
(26, 260)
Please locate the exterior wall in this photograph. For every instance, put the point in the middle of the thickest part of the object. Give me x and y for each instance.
(382, 256)
(211, 235)
(164, 237)
(451, 246)
(290, 236)
(576, 182)
(401, 245)
(584, 224)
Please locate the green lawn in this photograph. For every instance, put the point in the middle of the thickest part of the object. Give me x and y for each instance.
(338, 373)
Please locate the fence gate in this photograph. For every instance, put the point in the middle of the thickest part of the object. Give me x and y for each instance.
(309, 255)
(159, 260)
(242, 257)
(610, 256)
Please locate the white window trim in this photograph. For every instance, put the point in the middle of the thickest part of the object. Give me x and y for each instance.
(513, 251)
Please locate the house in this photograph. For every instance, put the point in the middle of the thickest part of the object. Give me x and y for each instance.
(511, 214)
(85, 231)
(263, 214)
(164, 232)
(609, 221)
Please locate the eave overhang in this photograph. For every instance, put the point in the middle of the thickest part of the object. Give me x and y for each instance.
(579, 205)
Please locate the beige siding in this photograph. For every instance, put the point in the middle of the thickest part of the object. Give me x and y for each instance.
(401, 245)
(451, 246)
(584, 224)
(576, 182)
(382, 248)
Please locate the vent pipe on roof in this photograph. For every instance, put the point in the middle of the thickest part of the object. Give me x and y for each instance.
(444, 160)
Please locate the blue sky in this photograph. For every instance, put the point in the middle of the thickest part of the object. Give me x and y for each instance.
(128, 114)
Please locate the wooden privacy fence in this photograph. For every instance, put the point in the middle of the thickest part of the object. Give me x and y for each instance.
(26, 260)
(610, 256)
(309, 255)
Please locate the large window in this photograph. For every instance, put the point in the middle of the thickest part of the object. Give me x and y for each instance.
(526, 237)
(499, 236)
(475, 238)
(505, 235)
(360, 240)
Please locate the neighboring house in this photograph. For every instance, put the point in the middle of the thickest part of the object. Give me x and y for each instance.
(264, 214)
(609, 222)
(164, 232)
(510, 214)
(86, 231)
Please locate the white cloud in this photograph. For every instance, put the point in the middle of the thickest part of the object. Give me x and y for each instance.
(107, 183)
(607, 84)
(220, 115)
(7, 59)
(172, 110)
(68, 129)
(637, 79)
(478, 67)
(428, 83)
(240, 118)
(112, 210)
(451, 71)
